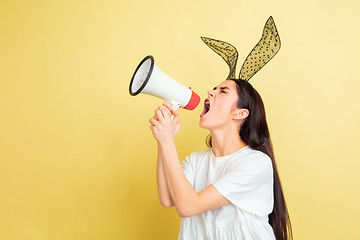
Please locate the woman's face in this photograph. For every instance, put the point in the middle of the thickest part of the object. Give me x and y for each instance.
(219, 106)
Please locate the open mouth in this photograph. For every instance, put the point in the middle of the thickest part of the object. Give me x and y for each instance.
(206, 107)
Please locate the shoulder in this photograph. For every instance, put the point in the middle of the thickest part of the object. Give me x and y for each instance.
(200, 154)
(252, 159)
(256, 156)
(197, 156)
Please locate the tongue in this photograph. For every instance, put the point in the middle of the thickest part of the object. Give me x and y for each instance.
(205, 111)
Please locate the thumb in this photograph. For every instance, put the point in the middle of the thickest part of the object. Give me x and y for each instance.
(176, 114)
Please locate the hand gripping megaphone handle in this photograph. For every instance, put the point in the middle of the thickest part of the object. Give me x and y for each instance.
(175, 105)
(193, 102)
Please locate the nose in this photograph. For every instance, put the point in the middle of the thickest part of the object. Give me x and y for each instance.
(211, 93)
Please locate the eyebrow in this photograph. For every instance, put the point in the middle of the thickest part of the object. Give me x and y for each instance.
(222, 88)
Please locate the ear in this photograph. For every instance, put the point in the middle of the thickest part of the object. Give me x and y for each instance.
(240, 113)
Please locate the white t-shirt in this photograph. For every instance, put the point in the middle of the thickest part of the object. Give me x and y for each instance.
(245, 178)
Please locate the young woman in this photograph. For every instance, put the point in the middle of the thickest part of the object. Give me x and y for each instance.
(232, 190)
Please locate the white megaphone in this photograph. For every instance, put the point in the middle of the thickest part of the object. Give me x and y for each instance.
(149, 79)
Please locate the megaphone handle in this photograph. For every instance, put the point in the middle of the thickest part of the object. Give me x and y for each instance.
(175, 105)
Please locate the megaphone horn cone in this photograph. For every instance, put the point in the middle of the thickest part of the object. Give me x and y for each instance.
(149, 79)
(141, 75)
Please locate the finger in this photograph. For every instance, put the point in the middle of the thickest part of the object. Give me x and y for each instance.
(154, 121)
(159, 114)
(155, 116)
(176, 120)
(165, 111)
(168, 105)
(152, 128)
(176, 114)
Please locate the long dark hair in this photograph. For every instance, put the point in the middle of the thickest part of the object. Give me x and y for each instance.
(255, 132)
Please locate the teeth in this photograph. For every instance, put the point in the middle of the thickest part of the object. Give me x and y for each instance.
(206, 107)
(207, 103)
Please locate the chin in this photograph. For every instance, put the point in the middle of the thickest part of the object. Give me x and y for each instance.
(203, 124)
(210, 123)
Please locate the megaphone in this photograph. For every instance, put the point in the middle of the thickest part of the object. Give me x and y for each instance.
(149, 79)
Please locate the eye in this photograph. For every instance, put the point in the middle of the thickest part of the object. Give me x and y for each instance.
(222, 91)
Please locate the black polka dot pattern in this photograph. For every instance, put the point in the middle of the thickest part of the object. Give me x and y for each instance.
(226, 51)
(265, 50)
(262, 53)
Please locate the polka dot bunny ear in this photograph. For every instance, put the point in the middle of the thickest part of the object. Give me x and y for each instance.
(261, 54)
(227, 51)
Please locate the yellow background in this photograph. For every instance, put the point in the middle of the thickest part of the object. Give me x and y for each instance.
(77, 158)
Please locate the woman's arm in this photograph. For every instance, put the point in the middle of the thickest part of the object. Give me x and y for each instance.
(163, 192)
(186, 200)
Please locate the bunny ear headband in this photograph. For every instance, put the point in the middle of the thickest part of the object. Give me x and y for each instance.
(262, 53)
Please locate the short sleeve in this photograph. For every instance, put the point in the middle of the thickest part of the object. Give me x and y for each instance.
(188, 169)
(248, 184)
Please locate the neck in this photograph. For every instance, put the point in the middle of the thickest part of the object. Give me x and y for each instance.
(226, 142)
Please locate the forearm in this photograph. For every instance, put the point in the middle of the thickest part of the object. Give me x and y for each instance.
(163, 191)
(173, 186)
(183, 195)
